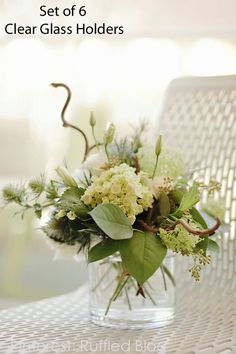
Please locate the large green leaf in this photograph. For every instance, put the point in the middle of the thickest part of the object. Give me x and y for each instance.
(102, 250)
(190, 198)
(142, 255)
(111, 220)
(71, 201)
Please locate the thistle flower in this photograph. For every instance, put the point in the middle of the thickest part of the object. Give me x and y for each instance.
(13, 194)
(37, 185)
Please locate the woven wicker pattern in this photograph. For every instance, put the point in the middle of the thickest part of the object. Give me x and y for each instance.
(199, 116)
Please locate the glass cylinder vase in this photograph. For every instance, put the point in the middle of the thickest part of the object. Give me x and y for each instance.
(118, 301)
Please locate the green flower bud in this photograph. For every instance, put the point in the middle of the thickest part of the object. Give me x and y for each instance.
(109, 134)
(92, 120)
(158, 146)
(65, 176)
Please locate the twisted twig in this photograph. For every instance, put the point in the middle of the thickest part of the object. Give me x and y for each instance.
(147, 227)
(187, 227)
(65, 123)
(196, 232)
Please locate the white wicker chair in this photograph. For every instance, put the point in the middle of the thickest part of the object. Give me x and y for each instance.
(199, 116)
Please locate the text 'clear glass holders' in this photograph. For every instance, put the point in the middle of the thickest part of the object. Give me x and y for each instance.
(114, 301)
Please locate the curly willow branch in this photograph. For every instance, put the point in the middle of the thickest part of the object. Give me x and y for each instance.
(204, 232)
(67, 124)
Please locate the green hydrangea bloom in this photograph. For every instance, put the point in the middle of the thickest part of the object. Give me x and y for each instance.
(179, 240)
(121, 186)
(170, 162)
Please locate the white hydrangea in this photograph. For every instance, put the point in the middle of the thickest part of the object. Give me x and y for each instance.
(120, 185)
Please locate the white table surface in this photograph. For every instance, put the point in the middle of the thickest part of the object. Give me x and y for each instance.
(62, 325)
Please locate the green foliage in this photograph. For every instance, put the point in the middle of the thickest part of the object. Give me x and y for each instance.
(38, 210)
(142, 255)
(71, 201)
(103, 249)
(179, 240)
(177, 195)
(111, 220)
(213, 246)
(190, 198)
(199, 219)
(51, 190)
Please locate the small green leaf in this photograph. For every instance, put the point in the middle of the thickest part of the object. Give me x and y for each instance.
(213, 246)
(142, 255)
(102, 250)
(38, 210)
(190, 198)
(199, 219)
(164, 204)
(71, 201)
(111, 220)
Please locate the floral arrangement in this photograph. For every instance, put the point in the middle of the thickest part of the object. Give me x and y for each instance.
(128, 198)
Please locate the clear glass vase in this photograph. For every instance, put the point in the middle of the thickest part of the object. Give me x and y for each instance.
(130, 306)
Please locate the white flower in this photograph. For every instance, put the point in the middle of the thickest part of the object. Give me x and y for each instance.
(161, 184)
(94, 162)
(60, 214)
(71, 215)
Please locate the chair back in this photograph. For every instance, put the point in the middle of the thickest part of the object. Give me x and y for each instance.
(199, 117)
